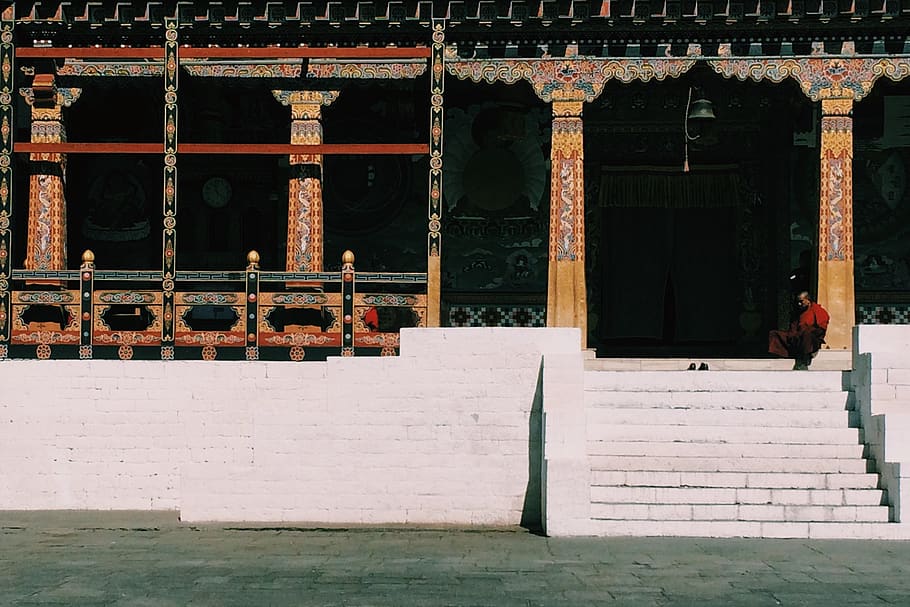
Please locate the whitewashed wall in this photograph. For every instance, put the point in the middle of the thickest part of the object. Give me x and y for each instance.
(881, 384)
(447, 432)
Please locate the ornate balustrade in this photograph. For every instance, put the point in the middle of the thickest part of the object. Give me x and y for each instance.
(226, 315)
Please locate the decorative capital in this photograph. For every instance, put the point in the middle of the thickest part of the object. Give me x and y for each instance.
(306, 105)
(567, 109)
(63, 97)
(837, 107)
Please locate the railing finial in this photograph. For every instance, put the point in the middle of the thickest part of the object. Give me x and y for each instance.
(88, 257)
(252, 259)
(347, 257)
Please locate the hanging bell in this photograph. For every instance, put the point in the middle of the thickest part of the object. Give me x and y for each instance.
(701, 109)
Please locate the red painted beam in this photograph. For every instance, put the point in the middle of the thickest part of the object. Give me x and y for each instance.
(253, 149)
(89, 53)
(273, 52)
(187, 52)
(89, 148)
(286, 148)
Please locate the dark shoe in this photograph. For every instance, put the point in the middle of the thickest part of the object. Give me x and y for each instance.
(800, 366)
(692, 367)
(703, 367)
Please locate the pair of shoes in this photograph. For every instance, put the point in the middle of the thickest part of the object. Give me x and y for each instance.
(701, 367)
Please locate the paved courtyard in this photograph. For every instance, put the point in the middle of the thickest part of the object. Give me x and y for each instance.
(152, 561)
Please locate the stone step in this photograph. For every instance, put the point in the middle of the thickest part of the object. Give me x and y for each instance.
(826, 360)
(725, 417)
(734, 512)
(713, 381)
(832, 400)
(724, 434)
(752, 529)
(631, 463)
(734, 480)
(687, 496)
(731, 450)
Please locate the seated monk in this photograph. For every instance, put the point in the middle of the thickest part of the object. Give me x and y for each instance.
(805, 335)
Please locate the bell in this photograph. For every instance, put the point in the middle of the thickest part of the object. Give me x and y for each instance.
(701, 109)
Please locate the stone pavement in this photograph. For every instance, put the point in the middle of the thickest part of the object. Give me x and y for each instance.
(144, 560)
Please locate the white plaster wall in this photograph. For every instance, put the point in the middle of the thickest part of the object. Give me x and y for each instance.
(446, 432)
(881, 384)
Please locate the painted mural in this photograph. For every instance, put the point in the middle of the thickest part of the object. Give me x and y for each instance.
(496, 189)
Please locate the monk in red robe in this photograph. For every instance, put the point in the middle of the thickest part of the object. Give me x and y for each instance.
(805, 335)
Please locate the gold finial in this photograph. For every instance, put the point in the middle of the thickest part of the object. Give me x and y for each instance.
(88, 256)
(347, 257)
(253, 257)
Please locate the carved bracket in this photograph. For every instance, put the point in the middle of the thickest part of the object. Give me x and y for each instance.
(571, 79)
(819, 77)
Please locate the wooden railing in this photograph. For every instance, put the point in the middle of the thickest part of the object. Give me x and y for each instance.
(248, 314)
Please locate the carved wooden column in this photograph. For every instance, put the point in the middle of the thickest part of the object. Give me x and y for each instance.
(46, 246)
(835, 221)
(434, 207)
(305, 229)
(7, 60)
(567, 304)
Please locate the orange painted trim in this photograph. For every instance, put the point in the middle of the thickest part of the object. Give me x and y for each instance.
(271, 52)
(90, 53)
(274, 52)
(253, 149)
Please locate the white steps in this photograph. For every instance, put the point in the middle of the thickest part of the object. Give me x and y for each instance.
(834, 400)
(763, 529)
(825, 360)
(713, 381)
(795, 465)
(729, 453)
(723, 450)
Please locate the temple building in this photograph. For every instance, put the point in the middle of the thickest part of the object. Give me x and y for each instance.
(290, 180)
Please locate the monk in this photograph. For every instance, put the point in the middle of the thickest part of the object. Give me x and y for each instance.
(805, 335)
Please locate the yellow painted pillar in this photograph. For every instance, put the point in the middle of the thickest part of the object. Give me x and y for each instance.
(567, 304)
(46, 240)
(305, 225)
(835, 222)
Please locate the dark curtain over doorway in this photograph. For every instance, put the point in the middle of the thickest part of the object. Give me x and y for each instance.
(670, 268)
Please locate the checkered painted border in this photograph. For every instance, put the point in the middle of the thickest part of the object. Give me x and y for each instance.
(883, 314)
(497, 316)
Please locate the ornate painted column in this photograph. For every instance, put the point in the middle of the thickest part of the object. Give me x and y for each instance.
(567, 303)
(434, 207)
(7, 23)
(46, 246)
(305, 229)
(835, 222)
(169, 198)
(838, 82)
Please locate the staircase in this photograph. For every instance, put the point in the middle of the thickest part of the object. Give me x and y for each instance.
(729, 453)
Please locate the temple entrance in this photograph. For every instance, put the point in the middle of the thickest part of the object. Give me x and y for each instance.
(679, 266)
(671, 277)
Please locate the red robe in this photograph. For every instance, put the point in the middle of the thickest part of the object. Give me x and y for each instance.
(805, 335)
